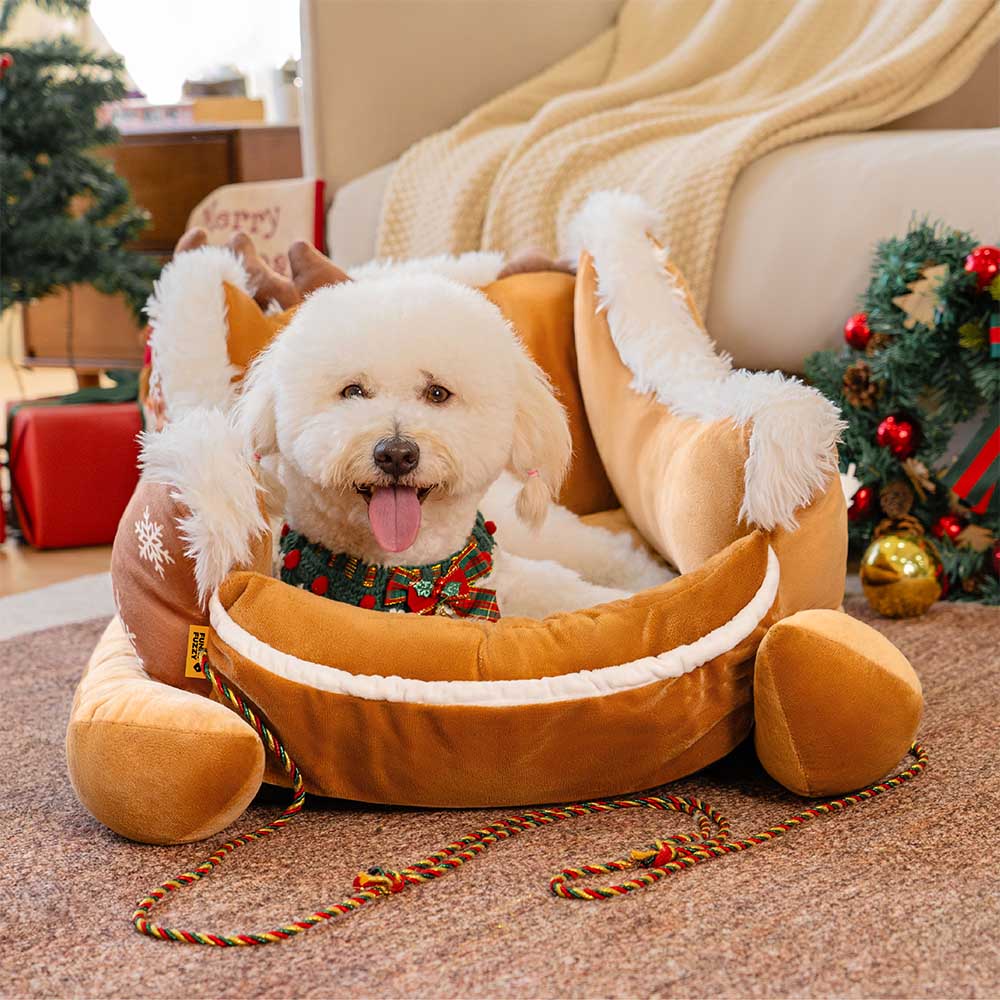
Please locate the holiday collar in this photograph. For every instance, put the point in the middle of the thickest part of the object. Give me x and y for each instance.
(441, 588)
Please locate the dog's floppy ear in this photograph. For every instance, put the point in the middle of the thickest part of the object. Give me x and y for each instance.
(542, 446)
(254, 410)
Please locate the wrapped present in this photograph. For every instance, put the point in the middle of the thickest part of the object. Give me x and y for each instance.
(73, 469)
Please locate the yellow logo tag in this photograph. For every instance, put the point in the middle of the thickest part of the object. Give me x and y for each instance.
(197, 647)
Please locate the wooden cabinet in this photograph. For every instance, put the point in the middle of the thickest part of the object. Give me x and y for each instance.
(79, 327)
(169, 171)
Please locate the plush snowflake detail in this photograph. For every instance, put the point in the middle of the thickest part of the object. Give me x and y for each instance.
(151, 548)
(129, 634)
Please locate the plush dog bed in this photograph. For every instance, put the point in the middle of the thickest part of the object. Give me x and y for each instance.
(730, 476)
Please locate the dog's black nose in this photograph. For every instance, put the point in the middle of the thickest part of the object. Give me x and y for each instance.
(396, 456)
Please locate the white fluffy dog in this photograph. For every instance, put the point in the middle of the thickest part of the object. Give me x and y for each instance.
(396, 408)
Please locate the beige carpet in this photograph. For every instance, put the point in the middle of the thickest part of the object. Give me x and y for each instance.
(896, 898)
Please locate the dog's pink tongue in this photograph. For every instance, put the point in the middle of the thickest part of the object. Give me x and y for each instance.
(394, 514)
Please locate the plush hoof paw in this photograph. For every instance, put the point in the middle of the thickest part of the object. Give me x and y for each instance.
(836, 704)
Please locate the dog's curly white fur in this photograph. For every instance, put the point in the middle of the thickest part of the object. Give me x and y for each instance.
(420, 358)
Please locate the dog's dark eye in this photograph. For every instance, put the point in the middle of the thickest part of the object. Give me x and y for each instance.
(437, 394)
(353, 391)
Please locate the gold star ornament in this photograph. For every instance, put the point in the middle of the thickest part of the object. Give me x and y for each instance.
(922, 301)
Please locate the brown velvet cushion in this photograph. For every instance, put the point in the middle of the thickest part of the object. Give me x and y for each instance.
(681, 480)
(369, 703)
(539, 305)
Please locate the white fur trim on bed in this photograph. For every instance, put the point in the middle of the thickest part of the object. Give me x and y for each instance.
(794, 429)
(476, 268)
(508, 693)
(187, 313)
(201, 456)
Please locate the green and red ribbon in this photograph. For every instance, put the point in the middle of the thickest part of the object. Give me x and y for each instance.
(450, 591)
(445, 587)
(974, 474)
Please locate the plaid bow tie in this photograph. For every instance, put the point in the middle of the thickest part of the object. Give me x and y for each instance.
(448, 588)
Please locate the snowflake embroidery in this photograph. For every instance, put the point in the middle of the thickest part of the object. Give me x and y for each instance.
(129, 634)
(150, 535)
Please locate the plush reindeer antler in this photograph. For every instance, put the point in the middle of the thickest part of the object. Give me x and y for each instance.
(193, 239)
(311, 269)
(266, 283)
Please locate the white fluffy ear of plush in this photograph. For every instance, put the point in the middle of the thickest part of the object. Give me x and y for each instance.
(542, 446)
(794, 429)
(201, 457)
(253, 413)
(187, 313)
(475, 268)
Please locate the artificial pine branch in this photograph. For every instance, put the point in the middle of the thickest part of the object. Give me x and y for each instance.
(65, 215)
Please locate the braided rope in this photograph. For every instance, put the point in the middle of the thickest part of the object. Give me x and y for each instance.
(665, 857)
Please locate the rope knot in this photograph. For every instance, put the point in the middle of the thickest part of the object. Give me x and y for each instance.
(657, 855)
(384, 881)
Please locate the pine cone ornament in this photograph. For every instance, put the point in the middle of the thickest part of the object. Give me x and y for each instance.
(920, 477)
(859, 389)
(876, 342)
(907, 524)
(896, 499)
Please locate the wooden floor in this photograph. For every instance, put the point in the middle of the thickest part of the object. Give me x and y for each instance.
(21, 567)
(24, 568)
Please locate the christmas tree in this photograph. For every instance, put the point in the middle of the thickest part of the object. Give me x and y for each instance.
(922, 359)
(66, 216)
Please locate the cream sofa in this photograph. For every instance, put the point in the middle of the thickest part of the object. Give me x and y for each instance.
(794, 254)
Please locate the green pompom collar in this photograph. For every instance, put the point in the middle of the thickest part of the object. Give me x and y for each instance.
(444, 587)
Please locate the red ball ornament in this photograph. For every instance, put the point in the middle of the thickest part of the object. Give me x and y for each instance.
(319, 585)
(284, 530)
(984, 263)
(292, 559)
(948, 524)
(899, 434)
(862, 503)
(6, 61)
(491, 527)
(368, 601)
(857, 333)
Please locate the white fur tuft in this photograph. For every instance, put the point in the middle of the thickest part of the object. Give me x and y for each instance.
(476, 268)
(542, 446)
(187, 313)
(794, 429)
(201, 456)
(532, 502)
(605, 214)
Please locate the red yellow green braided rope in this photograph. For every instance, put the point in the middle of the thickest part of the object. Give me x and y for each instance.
(648, 865)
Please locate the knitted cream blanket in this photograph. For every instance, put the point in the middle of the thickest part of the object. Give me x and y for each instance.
(671, 104)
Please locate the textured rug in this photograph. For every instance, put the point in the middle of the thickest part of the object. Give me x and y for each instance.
(895, 898)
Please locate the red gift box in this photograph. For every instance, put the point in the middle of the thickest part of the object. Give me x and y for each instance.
(73, 469)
